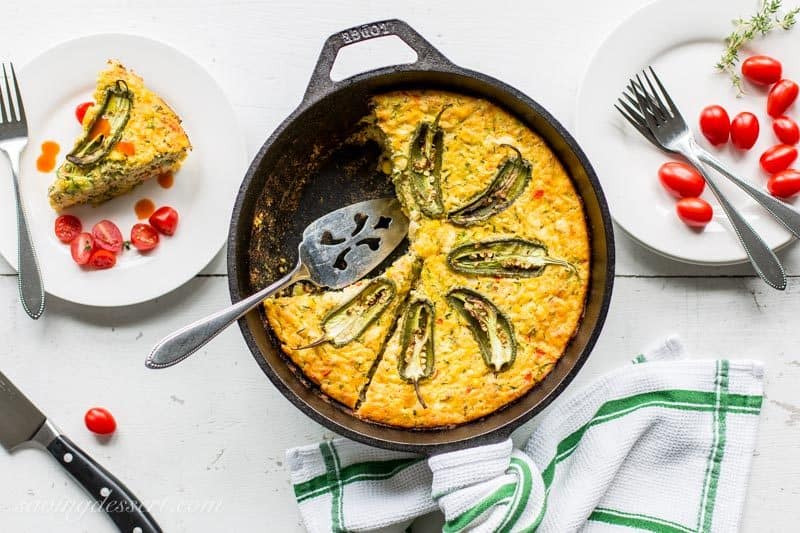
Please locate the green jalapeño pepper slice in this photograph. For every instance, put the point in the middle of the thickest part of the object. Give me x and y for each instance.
(416, 359)
(505, 258)
(491, 329)
(347, 322)
(424, 170)
(416, 270)
(98, 141)
(512, 177)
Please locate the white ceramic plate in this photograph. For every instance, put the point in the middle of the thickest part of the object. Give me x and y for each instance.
(683, 40)
(203, 192)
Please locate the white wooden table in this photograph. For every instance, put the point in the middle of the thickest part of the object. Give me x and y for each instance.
(202, 444)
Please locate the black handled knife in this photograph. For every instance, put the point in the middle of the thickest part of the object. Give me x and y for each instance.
(21, 422)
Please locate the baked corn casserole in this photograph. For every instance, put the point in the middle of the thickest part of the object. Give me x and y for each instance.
(490, 292)
(128, 136)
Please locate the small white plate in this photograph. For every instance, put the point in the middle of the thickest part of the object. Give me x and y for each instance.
(683, 40)
(204, 188)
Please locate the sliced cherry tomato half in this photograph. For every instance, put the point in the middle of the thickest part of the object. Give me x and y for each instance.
(694, 212)
(762, 70)
(144, 237)
(778, 158)
(715, 124)
(80, 111)
(107, 236)
(81, 248)
(100, 420)
(781, 96)
(744, 130)
(67, 227)
(165, 220)
(102, 259)
(786, 130)
(785, 183)
(681, 180)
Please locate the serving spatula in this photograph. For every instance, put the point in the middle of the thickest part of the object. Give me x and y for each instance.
(337, 249)
(21, 422)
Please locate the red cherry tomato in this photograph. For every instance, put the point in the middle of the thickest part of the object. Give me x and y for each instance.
(778, 158)
(694, 212)
(81, 248)
(762, 70)
(744, 130)
(102, 259)
(681, 180)
(781, 96)
(80, 111)
(100, 420)
(107, 236)
(715, 124)
(144, 237)
(785, 183)
(165, 220)
(786, 130)
(67, 227)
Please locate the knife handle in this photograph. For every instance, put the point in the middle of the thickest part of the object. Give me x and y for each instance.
(119, 503)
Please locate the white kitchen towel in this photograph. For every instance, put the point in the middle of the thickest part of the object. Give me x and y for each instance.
(662, 445)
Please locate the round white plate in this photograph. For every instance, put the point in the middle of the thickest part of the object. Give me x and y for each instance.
(204, 188)
(683, 40)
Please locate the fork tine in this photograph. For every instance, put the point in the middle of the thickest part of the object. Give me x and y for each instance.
(632, 106)
(20, 107)
(671, 104)
(633, 112)
(650, 119)
(658, 115)
(640, 89)
(636, 124)
(3, 116)
(634, 103)
(656, 96)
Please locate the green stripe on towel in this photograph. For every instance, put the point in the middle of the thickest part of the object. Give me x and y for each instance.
(706, 511)
(521, 495)
(501, 495)
(366, 471)
(637, 521)
(674, 399)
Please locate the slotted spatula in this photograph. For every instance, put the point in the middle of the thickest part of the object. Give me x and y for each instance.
(337, 249)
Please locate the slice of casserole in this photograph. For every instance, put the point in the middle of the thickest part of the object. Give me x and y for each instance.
(129, 135)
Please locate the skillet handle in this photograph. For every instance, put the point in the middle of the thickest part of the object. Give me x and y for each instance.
(321, 84)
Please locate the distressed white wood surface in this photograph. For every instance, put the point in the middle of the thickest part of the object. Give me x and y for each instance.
(202, 444)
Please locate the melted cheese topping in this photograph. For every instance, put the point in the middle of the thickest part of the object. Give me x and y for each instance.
(544, 311)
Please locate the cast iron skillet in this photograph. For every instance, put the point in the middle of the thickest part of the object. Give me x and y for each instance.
(308, 167)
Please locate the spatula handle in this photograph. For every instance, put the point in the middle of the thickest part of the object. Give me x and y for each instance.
(184, 342)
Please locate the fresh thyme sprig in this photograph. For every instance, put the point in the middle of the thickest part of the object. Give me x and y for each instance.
(765, 20)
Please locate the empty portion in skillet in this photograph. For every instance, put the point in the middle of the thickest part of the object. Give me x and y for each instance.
(542, 311)
(303, 189)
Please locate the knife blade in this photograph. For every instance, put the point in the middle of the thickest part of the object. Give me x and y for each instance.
(22, 422)
(19, 418)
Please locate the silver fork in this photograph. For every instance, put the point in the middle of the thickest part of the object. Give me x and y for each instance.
(13, 139)
(653, 113)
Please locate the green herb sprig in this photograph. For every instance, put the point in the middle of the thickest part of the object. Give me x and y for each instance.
(764, 21)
